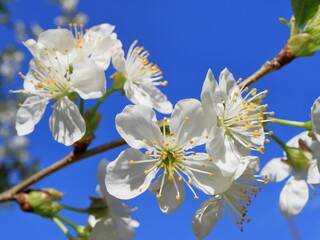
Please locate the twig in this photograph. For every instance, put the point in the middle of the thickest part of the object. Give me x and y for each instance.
(283, 58)
(71, 158)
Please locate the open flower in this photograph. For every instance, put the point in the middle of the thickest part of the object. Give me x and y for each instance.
(118, 225)
(234, 123)
(52, 76)
(167, 152)
(303, 170)
(141, 79)
(234, 200)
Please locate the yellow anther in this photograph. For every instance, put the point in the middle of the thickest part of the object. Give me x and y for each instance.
(158, 195)
(189, 181)
(131, 162)
(207, 137)
(211, 174)
(10, 91)
(164, 83)
(146, 172)
(266, 140)
(196, 198)
(170, 178)
(157, 164)
(135, 42)
(180, 178)
(239, 80)
(203, 165)
(210, 159)
(260, 118)
(19, 104)
(147, 153)
(270, 133)
(167, 144)
(191, 141)
(177, 197)
(154, 142)
(249, 146)
(171, 134)
(271, 113)
(187, 119)
(265, 91)
(140, 189)
(246, 89)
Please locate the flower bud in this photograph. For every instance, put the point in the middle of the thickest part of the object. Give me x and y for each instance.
(299, 45)
(98, 208)
(55, 194)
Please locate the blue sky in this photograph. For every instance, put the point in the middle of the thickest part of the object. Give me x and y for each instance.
(185, 38)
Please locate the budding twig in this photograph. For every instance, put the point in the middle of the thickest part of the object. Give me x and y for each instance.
(71, 158)
(283, 58)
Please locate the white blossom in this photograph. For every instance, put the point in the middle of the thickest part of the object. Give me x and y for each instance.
(142, 77)
(118, 225)
(168, 151)
(234, 200)
(234, 123)
(295, 193)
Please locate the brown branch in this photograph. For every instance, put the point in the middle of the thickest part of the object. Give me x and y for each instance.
(71, 158)
(283, 58)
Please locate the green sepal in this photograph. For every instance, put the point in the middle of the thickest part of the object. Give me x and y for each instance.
(119, 80)
(98, 208)
(299, 158)
(55, 194)
(73, 96)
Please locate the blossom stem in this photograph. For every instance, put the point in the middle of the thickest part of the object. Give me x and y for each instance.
(62, 227)
(67, 221)
(277, 140)
(75, 209)
(305, 125)
(95, 108)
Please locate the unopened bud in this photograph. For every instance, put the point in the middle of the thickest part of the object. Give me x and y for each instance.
(119, 80)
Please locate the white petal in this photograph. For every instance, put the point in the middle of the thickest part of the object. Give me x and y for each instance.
(187, 123)
(293, 196)
(147, 95)
(199, 169)
(119, 62)
(60, 39)
(29, 114)
(125, 180)
(136, 123)
(248, 166)
(276, 170)
(66, 123)
(315, 117)
(223, 149)
(313, 175)
(32, 46)
(88, 79)
(211, 92)
(168, 202)
(294, 142)
(227, 82)
(207, 216)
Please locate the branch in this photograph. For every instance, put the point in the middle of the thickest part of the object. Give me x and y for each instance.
(71, 158)
(283, 58)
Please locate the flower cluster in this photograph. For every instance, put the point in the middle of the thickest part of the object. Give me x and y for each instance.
(230, 125)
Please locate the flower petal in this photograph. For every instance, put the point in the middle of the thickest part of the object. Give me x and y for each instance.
(205, 175)
(88, 79)
(313, 176)
(66, 123)
(29, 114)
(224, 151)
(227, 82)
(136, 123)
(315, 117)
(187, 123)
(147, 95)
(119, 62)
(293, 196)
(207, 216)
(125, 180)
(168, 202)
(276, 170)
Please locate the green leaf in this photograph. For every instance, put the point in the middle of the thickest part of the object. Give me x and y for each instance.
(299, 45)
(313, 28)
(304, 10)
